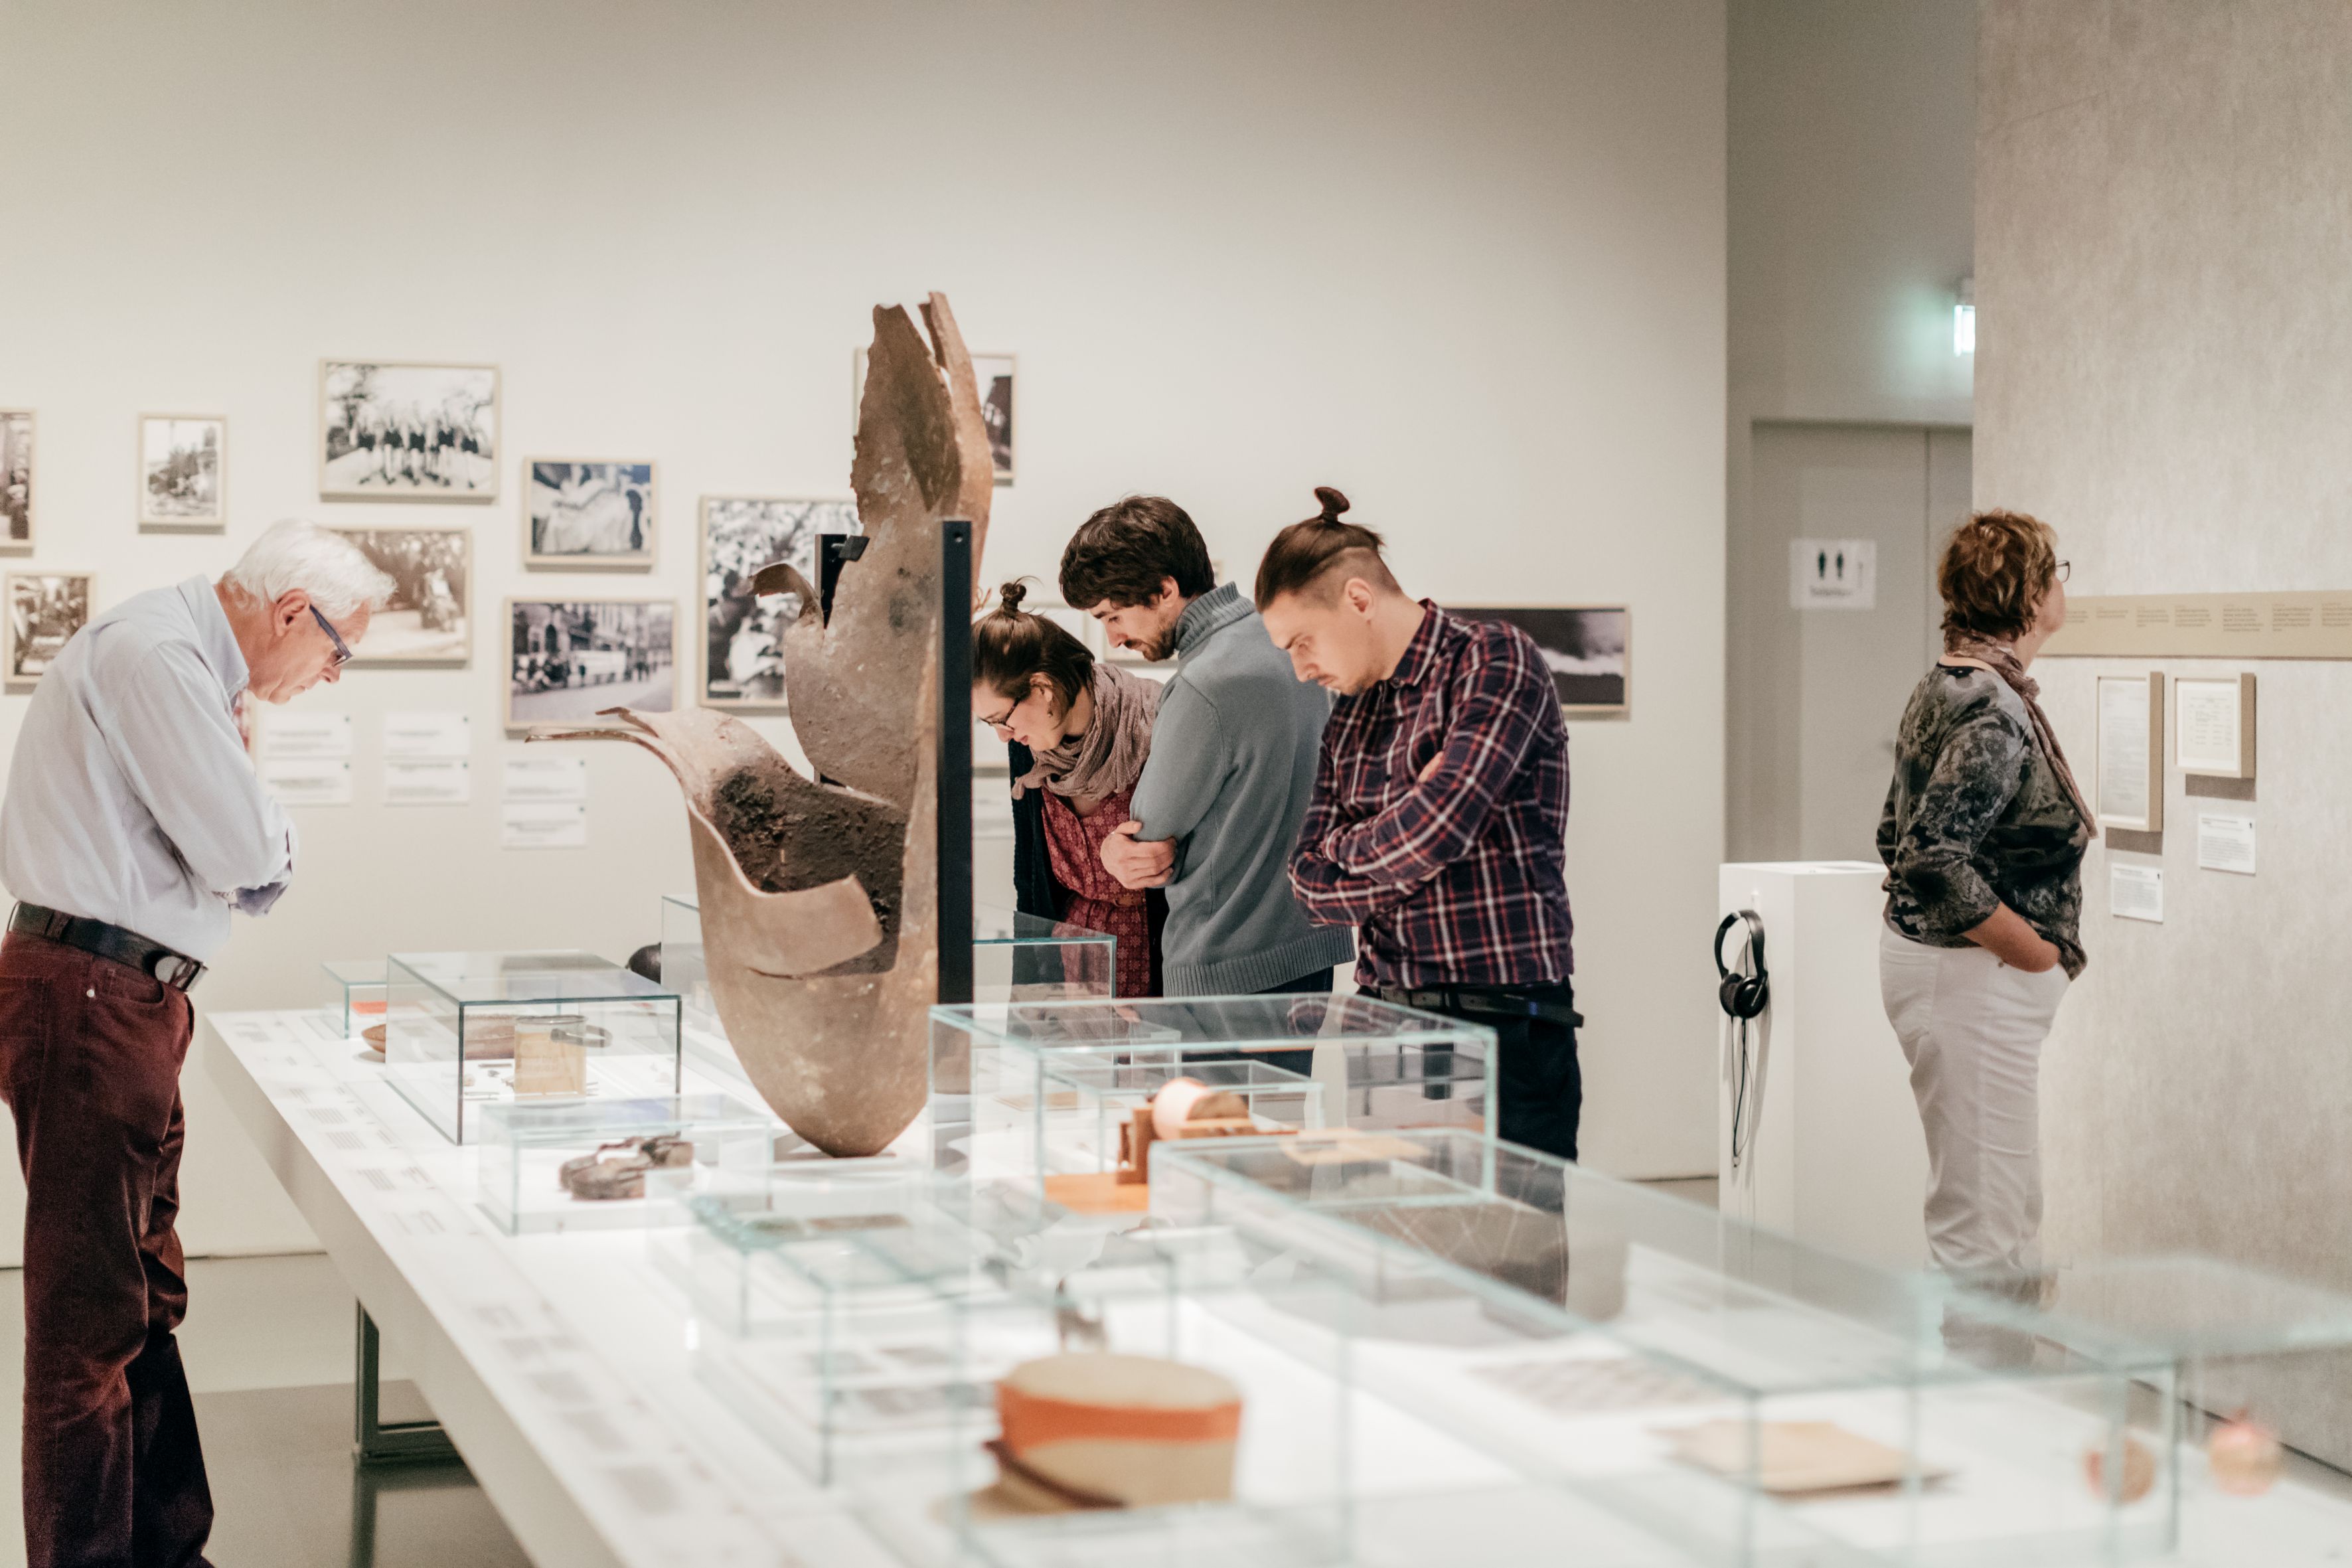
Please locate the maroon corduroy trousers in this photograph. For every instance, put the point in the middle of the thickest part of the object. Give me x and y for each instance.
(90, 1063)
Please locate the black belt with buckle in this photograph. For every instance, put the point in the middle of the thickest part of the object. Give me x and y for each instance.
(1488, 1001)
(151, 959)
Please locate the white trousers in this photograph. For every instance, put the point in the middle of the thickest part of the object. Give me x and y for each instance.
(1973, 1029)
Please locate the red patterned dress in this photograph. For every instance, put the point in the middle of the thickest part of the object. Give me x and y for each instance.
(1097, 901)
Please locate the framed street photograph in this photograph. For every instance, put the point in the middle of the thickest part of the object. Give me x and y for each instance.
(1588, 648)
(45, 608)
(429, 618)
(568, 658)
(182, 473)
(584, 514)
(994, 375)
(407, 431)
(15, 479)
(741, 665)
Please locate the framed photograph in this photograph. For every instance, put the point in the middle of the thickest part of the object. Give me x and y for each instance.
(182, 473)
(994, 374)
(1588, 648)
(2130, 764)
(45, 608)
(567, 658)
(407, 431)
(429, 618)
(586, 513)
(2213, 726)
(17, 479)
(741, 665)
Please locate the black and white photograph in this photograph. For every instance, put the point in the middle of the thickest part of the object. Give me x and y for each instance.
(182, 472)
(45, 608)
(16, 479)
(742, 666)
(571, 658)
(1589, 648)
(428, 619)
(994, 375)
(407, 431)
(583, 513)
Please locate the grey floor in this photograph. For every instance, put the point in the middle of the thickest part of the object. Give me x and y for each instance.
(268, 1350)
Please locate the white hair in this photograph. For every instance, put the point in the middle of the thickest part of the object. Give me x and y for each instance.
(323, 563)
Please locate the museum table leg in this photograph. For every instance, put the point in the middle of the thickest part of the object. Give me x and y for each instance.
(376, 1442)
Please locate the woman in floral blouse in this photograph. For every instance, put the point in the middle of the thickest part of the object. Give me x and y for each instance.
(1078, 732)
(1983, 836)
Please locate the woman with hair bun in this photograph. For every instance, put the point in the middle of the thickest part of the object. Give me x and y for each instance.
(1078, 732)
(1983, 836)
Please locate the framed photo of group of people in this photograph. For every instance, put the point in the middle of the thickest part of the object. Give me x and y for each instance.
(412, 431)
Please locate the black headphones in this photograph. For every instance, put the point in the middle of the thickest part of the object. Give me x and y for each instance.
(1743, 995)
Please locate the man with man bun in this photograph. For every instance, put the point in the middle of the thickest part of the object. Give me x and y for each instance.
(1438, 821)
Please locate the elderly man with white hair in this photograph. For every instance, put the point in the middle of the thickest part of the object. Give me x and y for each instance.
(134, 824)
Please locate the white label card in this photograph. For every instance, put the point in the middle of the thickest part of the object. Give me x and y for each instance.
(1833, 573)
(542, 825)
(414, 736)
(440, 781)
(545, 778)
(294, 733)
(2135, 892)
(2225, 843)
(308, 781)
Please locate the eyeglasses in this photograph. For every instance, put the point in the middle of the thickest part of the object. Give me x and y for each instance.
(342, 654)
(2064, 567)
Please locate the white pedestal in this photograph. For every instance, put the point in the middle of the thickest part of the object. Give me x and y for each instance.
(1834, 1154)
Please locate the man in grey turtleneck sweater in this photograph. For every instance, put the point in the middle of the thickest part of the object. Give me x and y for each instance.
(1233, 758)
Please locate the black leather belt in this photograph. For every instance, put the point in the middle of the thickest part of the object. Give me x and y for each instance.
(1488, 1001)
(153, 959)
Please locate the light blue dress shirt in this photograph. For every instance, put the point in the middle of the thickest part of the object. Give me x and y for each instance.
(131, 797)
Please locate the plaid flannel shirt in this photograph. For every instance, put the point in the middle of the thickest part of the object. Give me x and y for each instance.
(1459, 879)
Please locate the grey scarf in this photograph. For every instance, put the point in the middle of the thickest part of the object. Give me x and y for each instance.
(1092, 767)
(2002, 660)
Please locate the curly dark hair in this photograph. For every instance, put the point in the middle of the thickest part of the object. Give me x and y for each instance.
(1119, 555)
(1996, 569)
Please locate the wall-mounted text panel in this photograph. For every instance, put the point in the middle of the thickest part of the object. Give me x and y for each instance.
(2207, 625)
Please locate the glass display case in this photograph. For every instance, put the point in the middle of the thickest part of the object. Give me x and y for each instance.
(1736, 1395)
(355, 998)
(1013, 957)
(683, 969)
(468, 1030)
(1027, 958)
(827, 1300)
(2221, 1357)
(1041, 1089)
(605, 1165)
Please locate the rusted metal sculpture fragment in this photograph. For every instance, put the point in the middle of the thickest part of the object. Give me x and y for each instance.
(820, 898)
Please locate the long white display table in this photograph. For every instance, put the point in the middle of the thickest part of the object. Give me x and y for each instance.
(559, 1363)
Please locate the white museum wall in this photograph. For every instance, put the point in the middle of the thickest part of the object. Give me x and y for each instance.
(1852, 130)
(2166, 377)
(1465, 263)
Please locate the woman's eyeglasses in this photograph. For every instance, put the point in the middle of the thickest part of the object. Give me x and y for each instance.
(2064, 567)
(342, 654)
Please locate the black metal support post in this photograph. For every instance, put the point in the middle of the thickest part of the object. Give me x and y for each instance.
(955, 761)
(833, 551)
(378, 1442)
